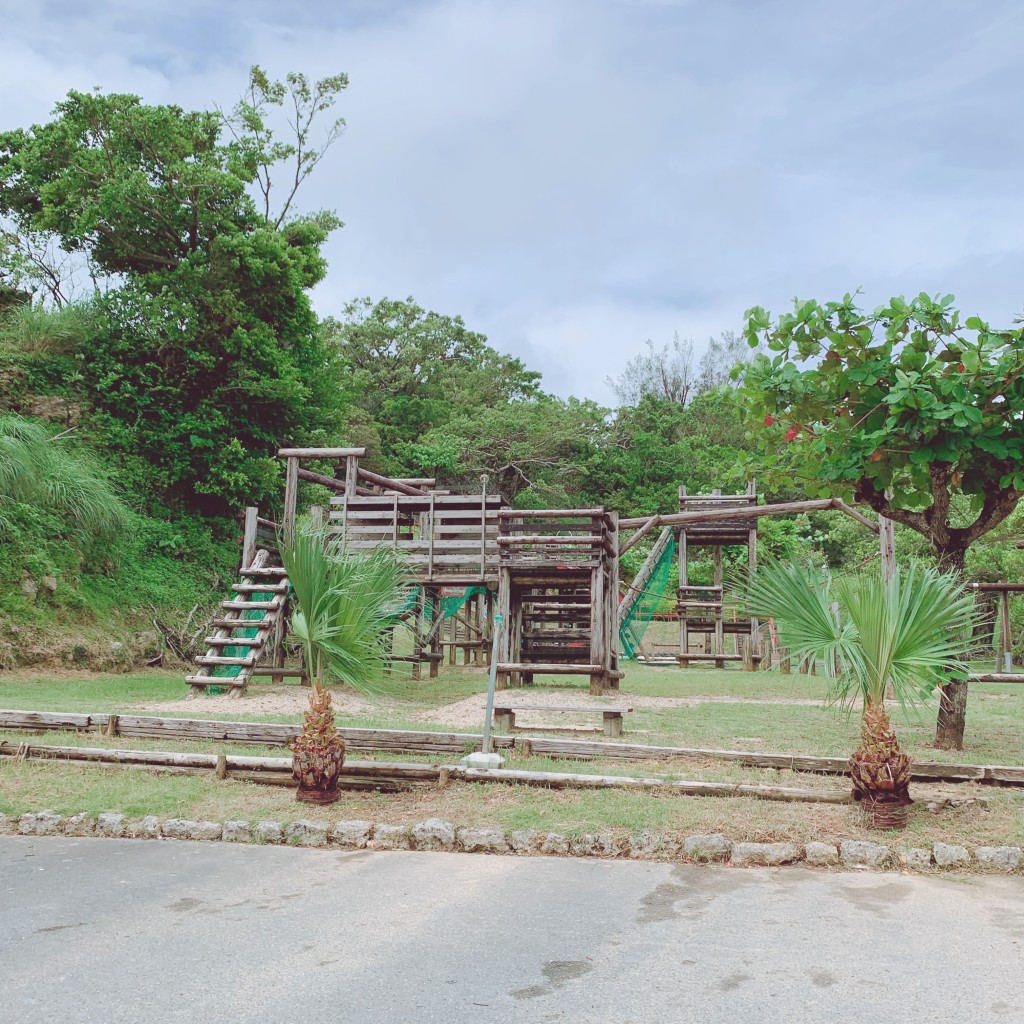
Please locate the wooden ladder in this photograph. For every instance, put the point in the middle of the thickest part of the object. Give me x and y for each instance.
(258, 578)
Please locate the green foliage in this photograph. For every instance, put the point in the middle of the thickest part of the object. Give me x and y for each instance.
(413, 370)
(40, 471)
(903, 408)
(914, 631)
(533, 450)
(203, 355)
(653, 448)
(346, 604)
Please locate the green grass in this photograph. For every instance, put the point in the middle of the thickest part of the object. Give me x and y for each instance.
(993, 736)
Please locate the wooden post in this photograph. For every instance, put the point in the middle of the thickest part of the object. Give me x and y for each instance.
(785, 665)
(887, 547)
(684, 581)
(1005, 635)
(351, 475)
(278, 662)
(483, 524)
(316, 516)
(505, 611)
(436, 626)
(612, 646)
(249, 536)
(748, 654)
(291, 494)
(597, 615)
(419, 620)
(755, 633)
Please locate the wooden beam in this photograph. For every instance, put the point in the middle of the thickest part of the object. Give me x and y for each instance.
(713, 515)
(320, 453)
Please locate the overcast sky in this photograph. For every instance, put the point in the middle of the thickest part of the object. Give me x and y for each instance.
(576, 176)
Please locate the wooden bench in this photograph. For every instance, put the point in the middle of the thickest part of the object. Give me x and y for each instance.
(505, 715)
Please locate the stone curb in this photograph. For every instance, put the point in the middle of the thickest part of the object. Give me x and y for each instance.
(439, 835)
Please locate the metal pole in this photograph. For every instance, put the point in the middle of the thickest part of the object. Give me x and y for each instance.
(491, 682)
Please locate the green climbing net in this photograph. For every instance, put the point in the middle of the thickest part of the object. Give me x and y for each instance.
(647, 596)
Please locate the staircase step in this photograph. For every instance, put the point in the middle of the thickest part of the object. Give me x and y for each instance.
(265, 623)
(215, 681)
(241, 606)
(234, 641)
(261, 588)
(213, 659)
(265, 570)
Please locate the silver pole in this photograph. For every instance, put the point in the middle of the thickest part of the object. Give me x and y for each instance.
(491, 683)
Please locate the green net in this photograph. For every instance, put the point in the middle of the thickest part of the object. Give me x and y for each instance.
(645, 595)
(453, 600)
(241, 650)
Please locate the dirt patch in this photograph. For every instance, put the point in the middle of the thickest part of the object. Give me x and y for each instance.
(292, 701)
(469, 711)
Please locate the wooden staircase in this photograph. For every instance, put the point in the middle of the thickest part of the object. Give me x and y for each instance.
(238, 617)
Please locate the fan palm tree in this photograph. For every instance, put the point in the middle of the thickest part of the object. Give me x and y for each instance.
(911, 633)
(345, 605)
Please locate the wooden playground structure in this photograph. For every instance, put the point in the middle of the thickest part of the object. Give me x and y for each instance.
(550, 577)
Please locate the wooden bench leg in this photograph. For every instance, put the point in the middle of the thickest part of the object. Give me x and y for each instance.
(504, 721)
(612, 723)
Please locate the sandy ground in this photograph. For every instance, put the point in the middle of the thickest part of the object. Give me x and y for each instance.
(470, 710)
(290, 702)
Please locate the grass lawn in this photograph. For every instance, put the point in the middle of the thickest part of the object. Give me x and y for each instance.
(726, 709)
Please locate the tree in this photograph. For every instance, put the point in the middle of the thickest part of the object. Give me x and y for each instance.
(345, 606)
(206, 355)
(906, 409)
(652, 448)
(412, 370)
(667, 373)
(533, 450)
(720, 358)
(911, 633)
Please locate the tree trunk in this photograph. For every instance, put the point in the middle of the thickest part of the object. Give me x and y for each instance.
(952, 720)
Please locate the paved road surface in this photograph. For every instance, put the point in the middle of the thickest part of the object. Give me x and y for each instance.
(136, 931)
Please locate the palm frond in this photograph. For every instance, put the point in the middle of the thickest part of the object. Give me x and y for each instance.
(346, 605)
(912, 632)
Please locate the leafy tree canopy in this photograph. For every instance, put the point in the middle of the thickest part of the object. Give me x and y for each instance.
(206, 354)
(413, 370)
(906, 408)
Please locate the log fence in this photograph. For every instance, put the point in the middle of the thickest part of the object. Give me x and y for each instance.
(424, 742)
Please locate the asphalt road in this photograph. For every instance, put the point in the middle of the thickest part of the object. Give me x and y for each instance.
(137, 931)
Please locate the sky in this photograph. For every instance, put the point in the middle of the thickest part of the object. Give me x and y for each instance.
(575, 177)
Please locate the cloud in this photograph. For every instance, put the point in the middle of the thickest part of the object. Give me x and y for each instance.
(575, 176)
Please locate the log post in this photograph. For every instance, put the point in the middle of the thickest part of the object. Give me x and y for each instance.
(748, 654)
(785, 665)
(437, 626)
(351, 475)
(291, 494)
(249, 536)
(887, 547)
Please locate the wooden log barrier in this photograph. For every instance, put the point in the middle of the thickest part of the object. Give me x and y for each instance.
(413, 741)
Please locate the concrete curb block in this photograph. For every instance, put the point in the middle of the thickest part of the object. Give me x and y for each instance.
(436, 834)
